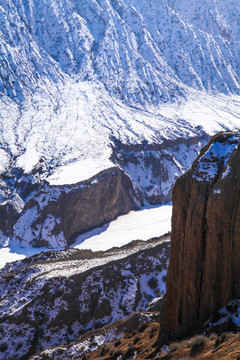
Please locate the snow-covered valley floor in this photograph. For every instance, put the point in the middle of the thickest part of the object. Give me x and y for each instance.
(143, 224)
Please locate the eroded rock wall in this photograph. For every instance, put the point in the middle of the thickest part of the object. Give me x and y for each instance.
(204, 269)
(53, 216)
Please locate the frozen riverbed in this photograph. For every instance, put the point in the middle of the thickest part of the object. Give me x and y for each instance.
(142, 224)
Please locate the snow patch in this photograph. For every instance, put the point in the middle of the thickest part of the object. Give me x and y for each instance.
(208, 165)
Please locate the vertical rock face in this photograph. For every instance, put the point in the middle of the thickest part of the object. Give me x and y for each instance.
(204, 264)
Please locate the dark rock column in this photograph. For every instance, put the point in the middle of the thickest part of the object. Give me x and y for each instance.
(203, 272)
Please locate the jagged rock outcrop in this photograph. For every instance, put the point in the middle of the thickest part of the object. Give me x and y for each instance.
(204, 267)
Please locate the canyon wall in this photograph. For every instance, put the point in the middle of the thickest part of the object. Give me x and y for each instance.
(204, 266)
(154, 168)
(43, 215)
(34, 212)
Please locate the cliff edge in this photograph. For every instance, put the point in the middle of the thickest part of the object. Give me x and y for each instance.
(204, 266)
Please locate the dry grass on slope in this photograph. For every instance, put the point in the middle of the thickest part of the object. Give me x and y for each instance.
(226, 346)
(141, 344)
(137, 345)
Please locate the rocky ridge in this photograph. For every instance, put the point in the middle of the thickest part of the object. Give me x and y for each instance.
(137, 337)
(141, 345)
(53, 298)
(91, 341)
(203, 273)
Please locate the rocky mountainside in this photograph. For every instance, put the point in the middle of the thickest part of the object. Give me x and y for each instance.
(204, 269)
(52, 298)
(87, 86)
(141, 51)
(137, 338)
(202, 295)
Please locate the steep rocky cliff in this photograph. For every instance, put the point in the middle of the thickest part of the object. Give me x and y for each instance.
(53, 215)
(154, 168)
(204, 264)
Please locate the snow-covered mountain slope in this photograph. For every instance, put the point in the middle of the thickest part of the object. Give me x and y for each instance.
(128, 161)
(52, 298)
(88, 86)
(143, 51)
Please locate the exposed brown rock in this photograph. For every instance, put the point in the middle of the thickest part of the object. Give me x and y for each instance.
(205, 348)
(143, 340)
(139, 331)
(93, 204)
(74, 209)
(204, 269)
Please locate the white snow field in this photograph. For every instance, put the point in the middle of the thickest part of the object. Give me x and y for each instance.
(14, 253)
(143, 224)
(137, 225)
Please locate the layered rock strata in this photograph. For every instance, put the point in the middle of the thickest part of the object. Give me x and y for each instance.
(204, 267)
